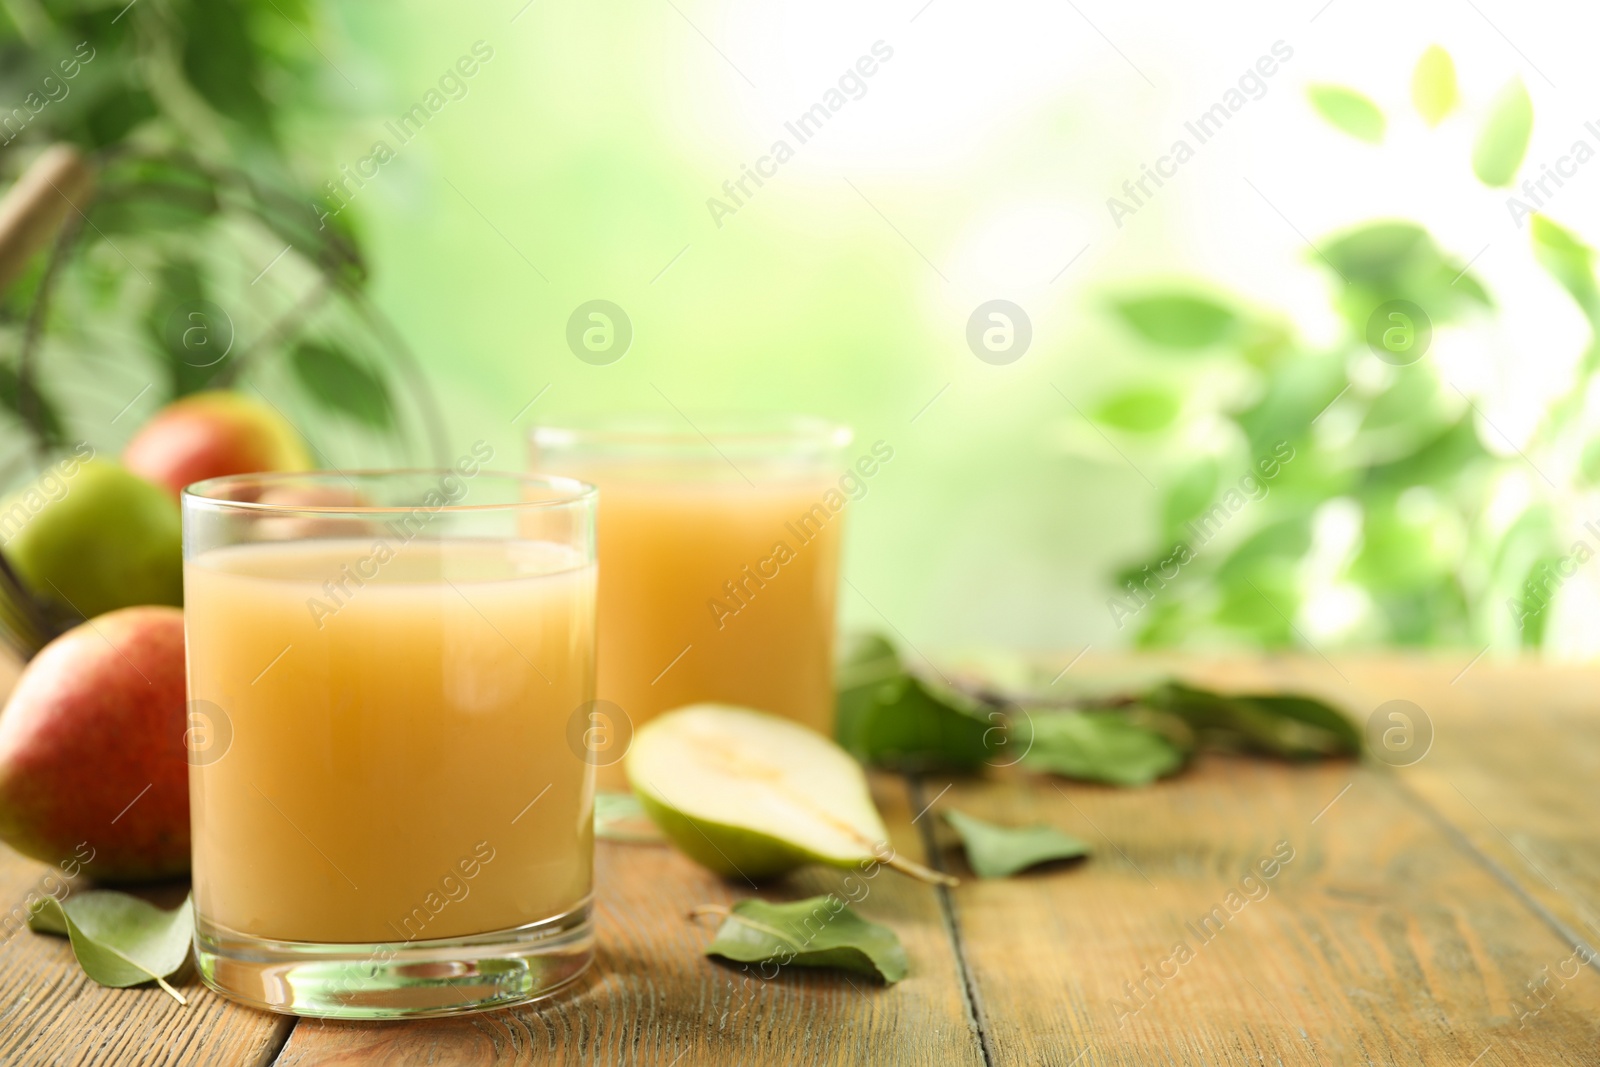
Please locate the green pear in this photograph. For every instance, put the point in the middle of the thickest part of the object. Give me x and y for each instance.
(751, 795)
(89, 537)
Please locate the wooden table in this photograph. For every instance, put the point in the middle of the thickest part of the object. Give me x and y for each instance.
(1436, 914)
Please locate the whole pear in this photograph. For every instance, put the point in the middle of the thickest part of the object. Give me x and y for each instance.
(92, 749)
(95, 539)
(211, 434)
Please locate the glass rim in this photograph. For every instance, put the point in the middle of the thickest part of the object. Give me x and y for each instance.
(578, 492)
(717, 430)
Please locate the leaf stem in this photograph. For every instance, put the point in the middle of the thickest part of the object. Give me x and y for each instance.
(173, 993)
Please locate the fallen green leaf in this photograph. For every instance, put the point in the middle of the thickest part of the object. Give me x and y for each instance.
(1101, 746)
(620, 817)
(1503, 141)
(1288, 726)
(1348, 110)
(889, 717)
(818, 932)
(119, 940)
(1000, 851)
(1433, 85)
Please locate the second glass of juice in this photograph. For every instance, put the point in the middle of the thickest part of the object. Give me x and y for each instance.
(388, 816)
(719, 565)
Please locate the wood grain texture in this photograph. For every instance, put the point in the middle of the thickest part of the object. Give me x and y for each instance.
(1430, 915)
(1515, 771)
(654, 998)
(1390, 938)
(51, 1014)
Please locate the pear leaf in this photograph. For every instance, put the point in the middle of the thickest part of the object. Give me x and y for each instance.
(1001, 851)
(1178, 320)
(889, 717)
(1503, 141)
(1349, 111)
(119, 940)
(1139, 409)
(341, 384)
(1101, 746)
(817, 932)
(620, 817)
(1433, 85)
(1569, 261)
(1288, 726)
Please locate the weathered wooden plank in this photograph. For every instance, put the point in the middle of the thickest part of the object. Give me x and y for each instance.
(50, 1014)
(1515, 769)
(1386, 939)
(1419, 906)
(654, 998)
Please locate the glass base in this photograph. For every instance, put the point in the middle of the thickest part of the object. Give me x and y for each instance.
(402, 980)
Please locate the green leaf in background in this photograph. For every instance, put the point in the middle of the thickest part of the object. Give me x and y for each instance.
(222, 61)
(621, 817)
(179, 286)
(31, 406)
(1377, 253)
(1140, 409)
(1178, 320)
(818, 932)
(1101, 746)
(1503, 141)
(119, 940)
(1569, 261)
(1433, 85)
(1589, 464)
(1190, 496)
(1395, 259)
(1001, 851)
(1287, 726)
(142, 196)
(1348, 110)
(1449, 454)
(339, 382)
(888, 717)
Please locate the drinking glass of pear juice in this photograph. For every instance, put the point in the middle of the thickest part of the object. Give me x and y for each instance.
(389, 819)
(719, 566)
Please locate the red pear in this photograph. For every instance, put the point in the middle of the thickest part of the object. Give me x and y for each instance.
(210, 434)
(92, 749)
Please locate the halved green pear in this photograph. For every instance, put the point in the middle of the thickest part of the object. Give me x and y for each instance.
(752, 795)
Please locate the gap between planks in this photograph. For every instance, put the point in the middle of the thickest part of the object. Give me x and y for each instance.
(1505, 877)
(970, 996)
(273, 1053)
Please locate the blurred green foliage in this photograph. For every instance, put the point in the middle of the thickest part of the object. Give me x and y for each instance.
(1374, 431)
(202, 235)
